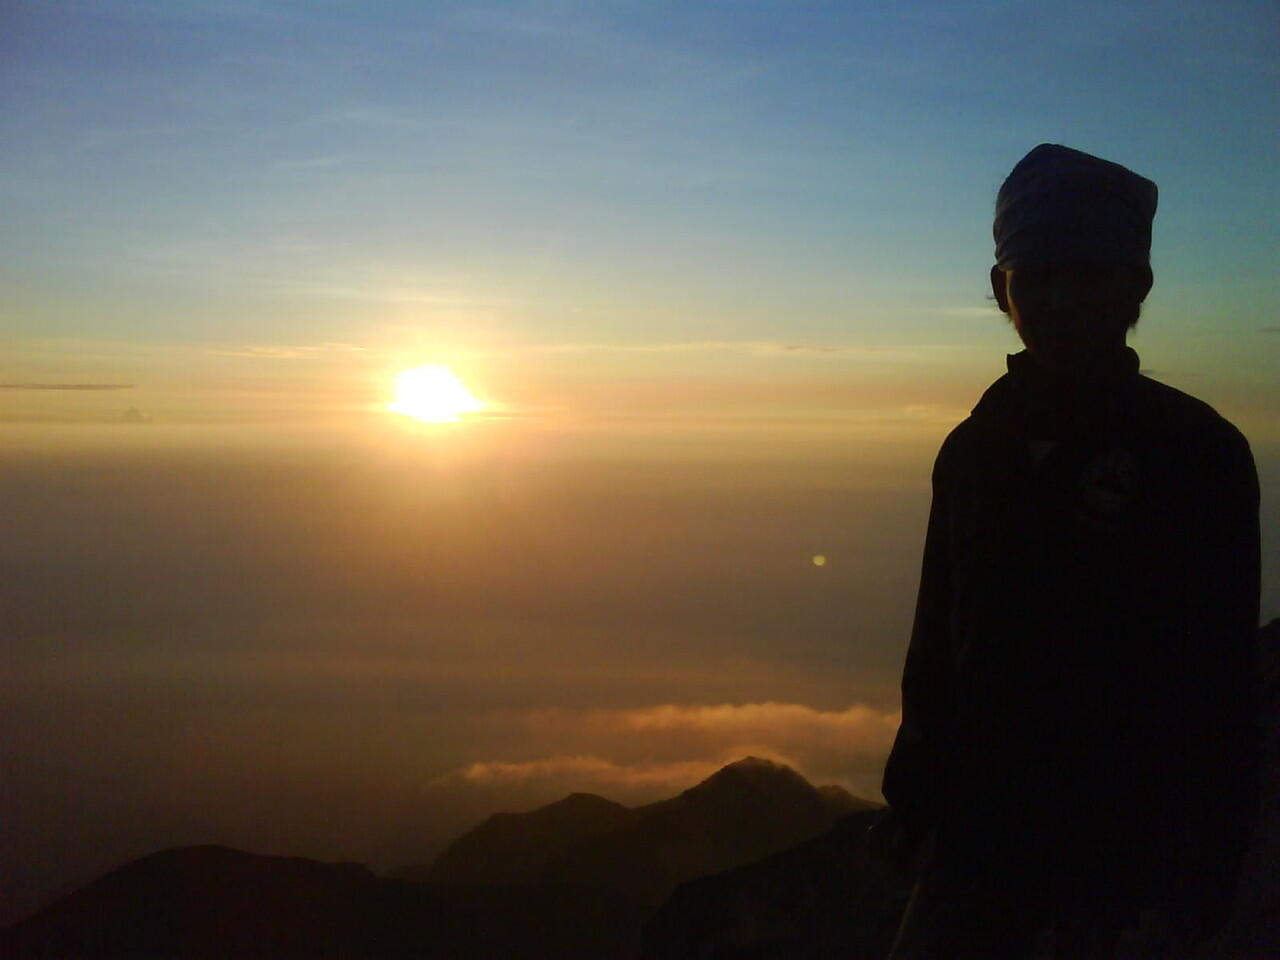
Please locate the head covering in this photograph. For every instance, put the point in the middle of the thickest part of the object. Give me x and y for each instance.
(1062, 204)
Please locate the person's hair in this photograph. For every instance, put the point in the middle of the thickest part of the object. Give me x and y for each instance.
(1141, 281)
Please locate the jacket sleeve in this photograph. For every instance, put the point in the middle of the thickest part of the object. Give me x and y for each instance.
(915, 776)
(1221, 775)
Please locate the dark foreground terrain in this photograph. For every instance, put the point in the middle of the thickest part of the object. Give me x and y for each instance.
(753, 862)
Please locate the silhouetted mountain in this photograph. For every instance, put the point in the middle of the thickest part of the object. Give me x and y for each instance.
(590, 871)
(744, 811)
(204, 902)
(515, 847)
(830, 897)
(840, 801)
(214, 902)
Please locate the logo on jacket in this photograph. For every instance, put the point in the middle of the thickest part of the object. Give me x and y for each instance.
(1108, 488)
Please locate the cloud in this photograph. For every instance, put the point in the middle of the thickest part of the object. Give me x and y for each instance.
(312, 163)
(988, 311)
(933, 413)
(391, 294)
(673, 746)
(591, 41)
(280, 351)
(590, 772)
(785, 725)
(66, 386)
(756, 347)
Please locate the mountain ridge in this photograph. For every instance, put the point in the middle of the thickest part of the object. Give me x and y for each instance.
(512, 847)
(543, 844)
(585, 875)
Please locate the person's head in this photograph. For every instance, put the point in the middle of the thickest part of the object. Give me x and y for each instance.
(1073, 245)
(1069, 312)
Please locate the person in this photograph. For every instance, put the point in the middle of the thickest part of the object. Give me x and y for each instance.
(1078, 763)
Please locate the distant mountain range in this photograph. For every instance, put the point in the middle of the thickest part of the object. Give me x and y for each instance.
(516, 847)
(753, 862)
(575, 878)
(744, 811)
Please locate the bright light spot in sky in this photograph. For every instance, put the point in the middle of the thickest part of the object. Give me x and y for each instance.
(433, 394)
(819, 560)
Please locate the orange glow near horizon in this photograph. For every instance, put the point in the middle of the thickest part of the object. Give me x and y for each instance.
(433, 394)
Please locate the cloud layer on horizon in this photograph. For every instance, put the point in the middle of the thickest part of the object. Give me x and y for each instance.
(676, 745)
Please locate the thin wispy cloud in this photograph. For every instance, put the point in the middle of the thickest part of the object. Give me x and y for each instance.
(964, 311)
(675, 745)
(313, 351)
(203, 10)
(587, 771)
(785, 726)
(379, 294)
(312, 163)
(593, 41)
(371, 115)
(933, 413)
(756, 347)
(759, 348)
(66, 386)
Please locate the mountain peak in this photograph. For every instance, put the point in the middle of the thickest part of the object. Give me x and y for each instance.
(750, 763)
(758, 772)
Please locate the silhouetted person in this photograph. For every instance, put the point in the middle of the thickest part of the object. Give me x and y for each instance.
(1079, 751)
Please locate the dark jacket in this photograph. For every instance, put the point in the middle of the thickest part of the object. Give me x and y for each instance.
(1080, 686)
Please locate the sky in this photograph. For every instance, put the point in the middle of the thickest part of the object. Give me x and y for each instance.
(718, 272)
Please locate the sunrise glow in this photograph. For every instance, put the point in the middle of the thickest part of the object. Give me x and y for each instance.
(433, 394)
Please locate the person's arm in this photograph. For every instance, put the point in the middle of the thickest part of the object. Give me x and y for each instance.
(1220, 782)
(915, 775)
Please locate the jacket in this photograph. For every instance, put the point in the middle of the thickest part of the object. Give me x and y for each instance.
(1080, 684)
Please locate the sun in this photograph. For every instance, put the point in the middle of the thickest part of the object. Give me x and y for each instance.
(433, 394)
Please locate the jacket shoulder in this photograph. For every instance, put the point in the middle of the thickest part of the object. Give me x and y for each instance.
(959, 446)
(1187, 419)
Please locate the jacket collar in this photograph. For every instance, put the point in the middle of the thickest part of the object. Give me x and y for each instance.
(1048, 406)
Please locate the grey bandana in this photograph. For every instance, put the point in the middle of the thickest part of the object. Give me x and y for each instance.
(1060, 204)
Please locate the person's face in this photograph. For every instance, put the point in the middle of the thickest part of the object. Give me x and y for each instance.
(1070, 313)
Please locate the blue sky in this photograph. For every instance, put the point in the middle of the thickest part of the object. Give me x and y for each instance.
(211, 171)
